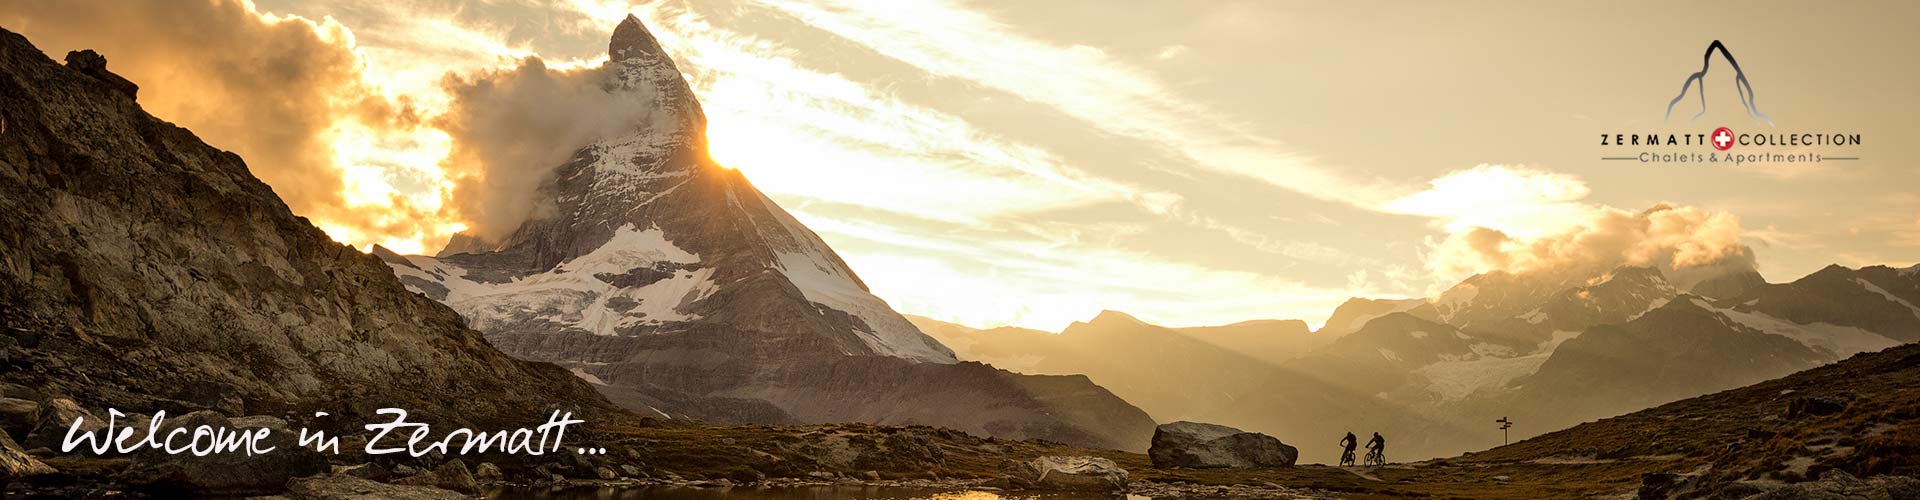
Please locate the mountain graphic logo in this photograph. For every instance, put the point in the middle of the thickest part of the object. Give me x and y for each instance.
(1740, 84)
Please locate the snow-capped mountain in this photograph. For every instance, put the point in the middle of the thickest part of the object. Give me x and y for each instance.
(1514, 345)
(680, 289)
(1615, 297)
(1877, 299)
(647, 229)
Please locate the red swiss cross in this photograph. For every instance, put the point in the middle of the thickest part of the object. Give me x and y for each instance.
(1722, 138)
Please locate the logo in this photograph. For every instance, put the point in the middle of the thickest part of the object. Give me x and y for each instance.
(1692, 145)
(1740, 84)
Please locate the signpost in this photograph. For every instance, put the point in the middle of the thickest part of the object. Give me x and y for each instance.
(1504, 425)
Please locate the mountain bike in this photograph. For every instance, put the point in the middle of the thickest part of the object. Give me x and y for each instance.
(1346, 458)
(1377, 457)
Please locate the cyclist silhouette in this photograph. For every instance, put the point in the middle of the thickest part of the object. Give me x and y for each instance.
(1377, 450)
(1347, 443)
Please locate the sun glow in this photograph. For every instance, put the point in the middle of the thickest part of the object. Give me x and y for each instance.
(393, 187)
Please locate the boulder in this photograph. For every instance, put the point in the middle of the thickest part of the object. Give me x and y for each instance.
(16, 463)
(488, 472)
(18, 416)
(1067, 474)
(1202, 446)
(355, 488)
(55, 418)
(230, 473)
(455, 476)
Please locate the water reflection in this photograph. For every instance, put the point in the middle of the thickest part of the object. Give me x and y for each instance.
(780, 493)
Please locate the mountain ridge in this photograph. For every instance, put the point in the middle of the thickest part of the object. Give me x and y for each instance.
(1499, 356)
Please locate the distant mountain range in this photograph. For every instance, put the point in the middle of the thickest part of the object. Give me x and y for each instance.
(1547, 351)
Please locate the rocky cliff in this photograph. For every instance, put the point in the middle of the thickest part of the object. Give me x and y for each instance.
(145, 270)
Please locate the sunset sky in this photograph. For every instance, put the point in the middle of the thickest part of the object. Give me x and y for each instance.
(1032, 163)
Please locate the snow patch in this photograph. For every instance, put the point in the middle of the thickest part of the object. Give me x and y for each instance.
(629, 249)
(1890, 297)
(1536, 316)
(572, 295)
(823, 283)
(1841, 341)
(808, 263)
(1655, 304)
(1389, 354)
(1456, 380)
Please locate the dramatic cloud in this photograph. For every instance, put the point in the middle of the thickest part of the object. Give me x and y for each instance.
(512, 127)
(1522, 220)
(286, 93)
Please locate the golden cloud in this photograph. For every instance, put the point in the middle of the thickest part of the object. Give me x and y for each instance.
(288, 94)
(1689, 244)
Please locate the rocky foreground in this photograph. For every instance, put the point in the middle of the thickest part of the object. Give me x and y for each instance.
(1847, 430)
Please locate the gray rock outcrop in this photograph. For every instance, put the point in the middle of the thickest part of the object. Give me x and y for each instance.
(1067, 474)
(1198, 445)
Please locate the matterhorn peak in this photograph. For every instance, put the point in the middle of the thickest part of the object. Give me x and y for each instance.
(637, 64)
(631, 40)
